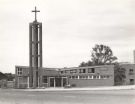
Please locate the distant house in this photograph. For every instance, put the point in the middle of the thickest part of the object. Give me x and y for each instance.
(10, 80)
(2, 76)
(10, 76)
(3, 80)
(7, 80)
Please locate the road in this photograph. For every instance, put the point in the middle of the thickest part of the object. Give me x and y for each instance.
(18, 96)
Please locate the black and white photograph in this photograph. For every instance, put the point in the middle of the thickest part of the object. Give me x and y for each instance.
(67, 52)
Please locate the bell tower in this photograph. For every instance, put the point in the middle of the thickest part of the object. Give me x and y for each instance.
(35, 51)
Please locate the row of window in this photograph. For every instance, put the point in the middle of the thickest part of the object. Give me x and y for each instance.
(89, 70)
(44, 78)
(90, 77)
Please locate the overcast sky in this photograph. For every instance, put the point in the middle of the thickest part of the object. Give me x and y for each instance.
(70, 29)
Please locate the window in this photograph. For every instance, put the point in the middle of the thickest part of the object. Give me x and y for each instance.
(131, 81)
(83, 77)
(19, 71)
(105, 76)
(82, 71)
(91, 70)
(66, 71)
(76, 77)
(44, 79)
(62, 72)
(102, 76)
(131, 71)
(95, 77)
(86, 77)
(80, 77)
(73, 71)
(73, 77)
(90, 77)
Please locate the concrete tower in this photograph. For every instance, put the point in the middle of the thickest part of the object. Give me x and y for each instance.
(35, 52)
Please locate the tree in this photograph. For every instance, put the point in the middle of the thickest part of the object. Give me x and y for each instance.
(83, 64)
(119, 74)
(2, 76)
(102, 55)
(10, 76)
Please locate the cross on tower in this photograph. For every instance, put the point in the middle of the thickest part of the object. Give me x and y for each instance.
(35, 13)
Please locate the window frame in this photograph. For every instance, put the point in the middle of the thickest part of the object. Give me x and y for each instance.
(73, 71)
(43, 79)
(131, 71)
(82, 70)
(91, 70)
(19, 71)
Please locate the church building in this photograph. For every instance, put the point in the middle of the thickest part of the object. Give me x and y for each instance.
(36, 76)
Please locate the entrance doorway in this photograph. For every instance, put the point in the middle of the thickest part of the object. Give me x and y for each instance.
(57, 81)
(52, 83)
(64, 82)
(131, 81)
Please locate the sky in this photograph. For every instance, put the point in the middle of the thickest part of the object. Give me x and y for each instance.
(71, 28)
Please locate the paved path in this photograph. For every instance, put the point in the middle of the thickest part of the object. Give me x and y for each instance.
(19, 96)
(86, 88)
